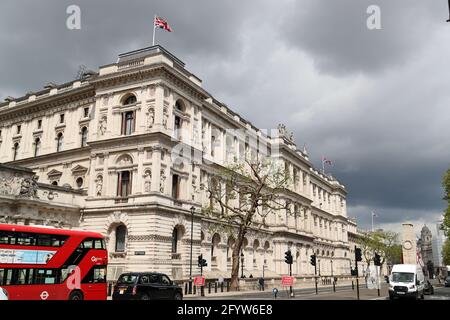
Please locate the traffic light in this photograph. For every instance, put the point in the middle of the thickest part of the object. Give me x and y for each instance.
(377, 259)
(358, 255)
(288, 257)
(313, 260)
(353, 272)
(202, 262)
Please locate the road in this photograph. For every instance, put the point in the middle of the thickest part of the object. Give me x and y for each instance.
(342, 293)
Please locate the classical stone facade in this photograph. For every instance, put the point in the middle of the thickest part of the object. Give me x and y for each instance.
(424, 244)
(121, 139)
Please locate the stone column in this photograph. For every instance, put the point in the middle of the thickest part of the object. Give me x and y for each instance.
(159, 108)
(156, 169)
(138, 179)
(91, 186)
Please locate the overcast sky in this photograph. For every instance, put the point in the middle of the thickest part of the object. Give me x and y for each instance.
(376, 102)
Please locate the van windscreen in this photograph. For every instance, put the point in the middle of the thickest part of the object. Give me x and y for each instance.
(402, 277)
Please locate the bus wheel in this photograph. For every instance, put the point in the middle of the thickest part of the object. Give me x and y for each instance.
(76, 295)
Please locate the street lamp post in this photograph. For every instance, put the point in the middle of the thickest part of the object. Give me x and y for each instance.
(332, 276)
(192, 242)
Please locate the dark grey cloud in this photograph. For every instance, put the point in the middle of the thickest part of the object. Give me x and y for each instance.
(336, 33)
(376, 102)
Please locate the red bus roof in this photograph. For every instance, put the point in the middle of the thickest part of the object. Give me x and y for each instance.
(45, 230)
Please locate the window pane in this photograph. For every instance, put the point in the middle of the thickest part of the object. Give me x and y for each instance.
(88, 244)
(98, 244)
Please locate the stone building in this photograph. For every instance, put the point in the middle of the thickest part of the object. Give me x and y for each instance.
(424, 245)
(115, 145)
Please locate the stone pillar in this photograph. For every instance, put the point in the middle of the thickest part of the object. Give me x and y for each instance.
(156, 169)
(138, 179)
(91, 185)
(159, 108)
(409, 249)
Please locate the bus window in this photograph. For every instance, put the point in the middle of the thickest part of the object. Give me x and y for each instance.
(25, 239)
(2, 275)
(46, 276)
(87, 244)
(21, 277)
(4, 237)
(98, 244)
(44, 240)
(7, 278)
(96, 275)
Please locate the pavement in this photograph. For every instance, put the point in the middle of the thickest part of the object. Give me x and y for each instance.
(324, 293)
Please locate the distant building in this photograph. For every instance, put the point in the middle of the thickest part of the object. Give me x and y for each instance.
(425, 246)
(437, 244)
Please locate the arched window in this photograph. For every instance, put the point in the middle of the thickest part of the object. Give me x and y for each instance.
(84, 136)
(121, 234)
(130, 100)
(79, 183)
(174, 240)
(37, 147)
(15, 151)
(215, 243)
(179, 105)
(59, 142)
(177, 127)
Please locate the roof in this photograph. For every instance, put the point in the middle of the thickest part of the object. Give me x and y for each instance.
(48, 230)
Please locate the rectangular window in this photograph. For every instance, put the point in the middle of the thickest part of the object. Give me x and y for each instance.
(175, 186)
(39, 124)
(128, 123)
(124, 184)
(86, 112)
(61, 118)
(19, 128)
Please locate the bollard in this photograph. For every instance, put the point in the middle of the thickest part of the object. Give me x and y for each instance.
(195, 290)
(221, 287)
(209, 287)
(215, 287)
(228, 286)
(353, 285)
(186, 288)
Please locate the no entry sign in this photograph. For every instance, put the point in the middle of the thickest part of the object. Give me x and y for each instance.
(287, 281)
(199, 281)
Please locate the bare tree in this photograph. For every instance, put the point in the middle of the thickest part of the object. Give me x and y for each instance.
(242, 197)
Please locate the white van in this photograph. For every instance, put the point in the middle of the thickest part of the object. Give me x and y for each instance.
(406, 280)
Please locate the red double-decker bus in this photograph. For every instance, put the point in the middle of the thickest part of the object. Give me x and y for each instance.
(44, 264)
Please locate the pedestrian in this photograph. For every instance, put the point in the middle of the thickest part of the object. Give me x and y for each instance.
(251, 276)
(261, 284)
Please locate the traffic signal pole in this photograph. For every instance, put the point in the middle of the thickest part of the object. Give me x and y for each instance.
(291, 293)
(315, 276)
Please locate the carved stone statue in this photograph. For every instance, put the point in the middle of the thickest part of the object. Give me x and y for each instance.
(147, 181)
(282, 129)
(151, 117)
(165, 118)
(102, 125)
(162, 181)
(28, 188)
(99, 186)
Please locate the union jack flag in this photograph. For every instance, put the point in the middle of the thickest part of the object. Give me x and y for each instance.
(162, 24)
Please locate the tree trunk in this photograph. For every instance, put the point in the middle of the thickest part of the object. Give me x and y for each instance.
(236, 260)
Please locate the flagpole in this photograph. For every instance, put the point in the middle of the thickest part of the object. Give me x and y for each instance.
(154, 30)
(323, 164)
(372, 220)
